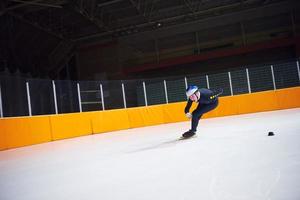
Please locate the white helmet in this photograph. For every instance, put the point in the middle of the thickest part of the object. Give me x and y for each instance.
(191, 90)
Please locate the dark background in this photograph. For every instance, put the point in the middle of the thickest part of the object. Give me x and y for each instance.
(129, 39)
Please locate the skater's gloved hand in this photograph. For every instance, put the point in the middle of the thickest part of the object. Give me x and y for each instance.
(188, 115)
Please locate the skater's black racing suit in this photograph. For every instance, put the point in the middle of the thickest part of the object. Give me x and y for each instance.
(207, 102)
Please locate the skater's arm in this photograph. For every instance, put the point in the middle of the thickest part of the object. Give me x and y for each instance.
(188, 106)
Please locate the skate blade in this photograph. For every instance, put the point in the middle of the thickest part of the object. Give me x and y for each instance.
(186, 138)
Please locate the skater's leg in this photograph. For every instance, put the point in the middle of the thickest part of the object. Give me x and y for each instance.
(195, 122)
(199, 111)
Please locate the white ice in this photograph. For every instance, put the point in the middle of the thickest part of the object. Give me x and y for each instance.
(232, 158)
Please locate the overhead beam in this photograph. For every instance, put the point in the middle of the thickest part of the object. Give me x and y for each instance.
(221, 20)
(137, 6)
(17, 6)
(89, 16)
(108, 3)
(37, 4)
(201, 24)
(189, 5)
(34, 25)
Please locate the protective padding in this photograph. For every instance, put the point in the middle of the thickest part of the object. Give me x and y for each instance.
(113, 120)
(174, 112)
(96, 121)
(23, 131)
(135, 116)
(152, 115)
(70, 125)
(227, 106)
(288, 98)
(256, 102)
(2, 135)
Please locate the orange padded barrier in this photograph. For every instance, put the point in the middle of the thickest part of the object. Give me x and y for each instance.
(174, 112)
(227, 106)
(22, 131)
(152, 115)
(96, 121)
(111, 120)
(70, 125)
(135, 117)
(257, 102)
(2, 136)
(288, 98)
(145, 116)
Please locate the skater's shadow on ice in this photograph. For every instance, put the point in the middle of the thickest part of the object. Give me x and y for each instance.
(165, 144)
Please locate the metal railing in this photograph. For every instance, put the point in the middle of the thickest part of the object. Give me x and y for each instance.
(26, 97)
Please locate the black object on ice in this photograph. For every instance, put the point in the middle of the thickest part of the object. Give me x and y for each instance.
(188, 134)
(271, 134)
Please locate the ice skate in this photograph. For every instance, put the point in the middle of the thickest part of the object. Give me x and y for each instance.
(188, 134)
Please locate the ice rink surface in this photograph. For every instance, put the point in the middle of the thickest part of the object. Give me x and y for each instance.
(232, 158)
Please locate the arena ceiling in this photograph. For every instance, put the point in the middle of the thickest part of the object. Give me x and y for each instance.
(66, 23)
(83, 19)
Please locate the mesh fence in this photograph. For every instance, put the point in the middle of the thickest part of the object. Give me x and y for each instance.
(176, 89)
(220, 80)
(261, 78)
(239, 81)
(41, 97)
(141, 95)
(134, 93)
(200, 81)
(286, 75)
(90, 95)
(113, 95)
(14, 96)
(155, 91)
(67, 96)
(47, 96)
